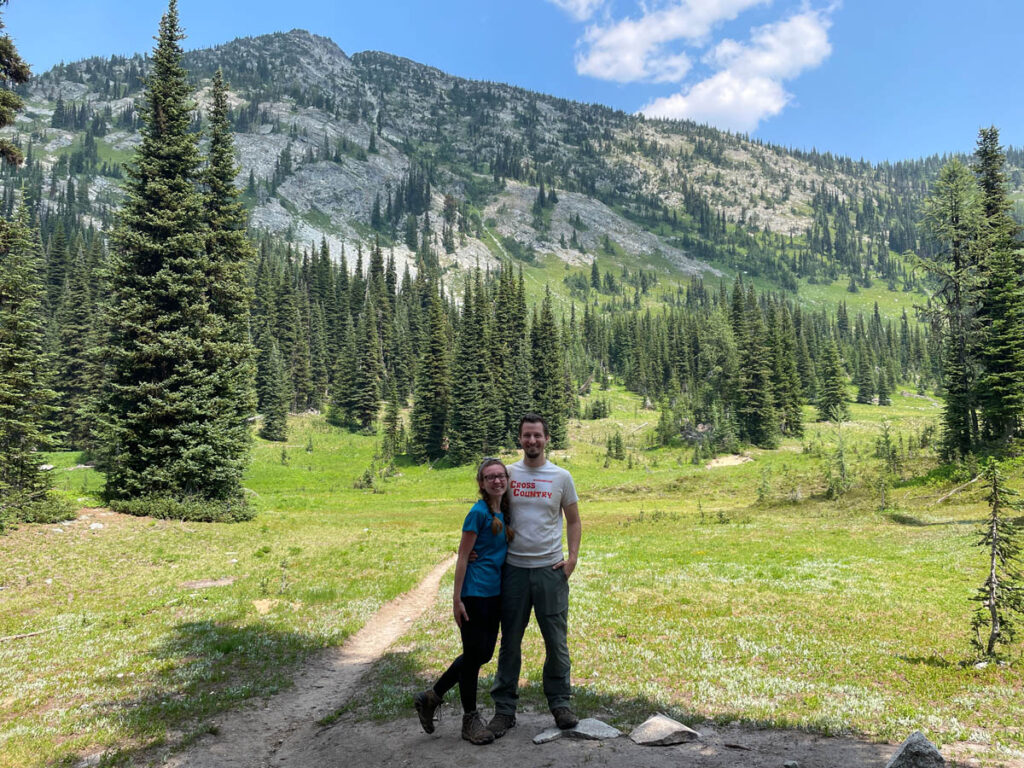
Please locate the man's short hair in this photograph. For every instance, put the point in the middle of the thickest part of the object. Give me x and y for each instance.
(534, 418)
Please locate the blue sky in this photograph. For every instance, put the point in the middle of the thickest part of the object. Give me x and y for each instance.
(879, 79)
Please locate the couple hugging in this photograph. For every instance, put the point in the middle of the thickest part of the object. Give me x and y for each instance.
(510, 561)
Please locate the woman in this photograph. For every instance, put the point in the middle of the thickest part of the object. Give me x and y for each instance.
(476, 602)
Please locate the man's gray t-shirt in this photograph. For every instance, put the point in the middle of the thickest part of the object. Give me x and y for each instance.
(538, 495)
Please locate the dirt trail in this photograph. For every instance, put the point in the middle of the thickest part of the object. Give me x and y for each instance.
(283, 731)
(265, 736)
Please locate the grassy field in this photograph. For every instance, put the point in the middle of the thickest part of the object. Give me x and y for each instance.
(732, 593)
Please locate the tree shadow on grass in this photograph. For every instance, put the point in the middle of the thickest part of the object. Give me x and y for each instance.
(204, 669)
(901, 519)
(936, 662)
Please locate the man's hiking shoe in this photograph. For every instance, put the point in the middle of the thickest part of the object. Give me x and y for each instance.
(473, 729)
(426, 703)
(565, 718)
(500, 724)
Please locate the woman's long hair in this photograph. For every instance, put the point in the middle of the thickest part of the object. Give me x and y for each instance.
(503, 505)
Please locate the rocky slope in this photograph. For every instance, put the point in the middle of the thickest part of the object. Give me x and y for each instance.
(323, 137)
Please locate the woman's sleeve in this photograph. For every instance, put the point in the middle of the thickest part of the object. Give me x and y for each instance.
(476, 520)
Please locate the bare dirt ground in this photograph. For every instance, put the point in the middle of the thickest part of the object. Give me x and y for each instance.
(728, 461)
(283, 731)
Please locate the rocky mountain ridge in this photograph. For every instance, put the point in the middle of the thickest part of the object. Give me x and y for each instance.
(327, 141)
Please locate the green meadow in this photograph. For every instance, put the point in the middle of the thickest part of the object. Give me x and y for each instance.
(732, 593)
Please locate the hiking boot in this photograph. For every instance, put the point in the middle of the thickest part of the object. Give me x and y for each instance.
(565, 718)
(500, 724)
(473, 729)
(426, 703)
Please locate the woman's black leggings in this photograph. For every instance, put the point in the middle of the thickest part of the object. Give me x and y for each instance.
(479, 635)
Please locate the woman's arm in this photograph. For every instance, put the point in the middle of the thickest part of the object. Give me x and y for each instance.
(465, 547)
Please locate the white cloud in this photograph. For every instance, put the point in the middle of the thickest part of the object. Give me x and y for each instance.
(581, 10)
(748, 86)
(724, 100)
(637, 49)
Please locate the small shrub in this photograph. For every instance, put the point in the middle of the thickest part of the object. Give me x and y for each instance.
(193, 510)
(52, 508)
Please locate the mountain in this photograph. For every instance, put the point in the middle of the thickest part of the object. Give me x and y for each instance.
(353, 148)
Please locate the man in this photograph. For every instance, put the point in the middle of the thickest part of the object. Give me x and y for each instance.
(536, 576)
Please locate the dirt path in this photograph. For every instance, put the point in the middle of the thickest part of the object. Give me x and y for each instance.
(265, 736)
(283, 731)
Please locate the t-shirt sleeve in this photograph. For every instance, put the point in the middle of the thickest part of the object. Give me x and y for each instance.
(476, 520)
(569, 492)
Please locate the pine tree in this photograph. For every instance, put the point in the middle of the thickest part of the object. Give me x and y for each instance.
(755, 397)
(467, 430)
(546, 372)
(953, 218)
(832, 393)
(13, 72)
(230, 262)
(392, 443)
(343, 387)
(26, 400)
(276, 397)
(74, 322)
(164, 434)
(865, 380)
(883, 388)
(1002, 594)
(430, 411)
(1001, 385)
(786, 378)
(368, 371)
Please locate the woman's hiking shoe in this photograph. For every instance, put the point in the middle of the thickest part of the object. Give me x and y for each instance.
(473, 729)
(500, 724)
(426, 703)
(565, 718)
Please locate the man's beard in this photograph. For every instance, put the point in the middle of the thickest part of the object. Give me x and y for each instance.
(533, 453)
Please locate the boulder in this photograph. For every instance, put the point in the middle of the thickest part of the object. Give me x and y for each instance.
(661, 731)
(916, 752)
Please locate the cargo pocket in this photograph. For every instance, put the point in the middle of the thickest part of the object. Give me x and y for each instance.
(554, 597)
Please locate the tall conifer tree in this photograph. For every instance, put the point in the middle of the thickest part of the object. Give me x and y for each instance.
(953, 218)
(231, 261)
(431, 399)
(467, 430)
(369, 371)
(13, 71)
(546, 368)
(26, 400)
(1001, 385)
(168, 330)
(274, 400)
(832, 393)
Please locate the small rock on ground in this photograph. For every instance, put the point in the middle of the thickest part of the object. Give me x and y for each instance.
(587, 728)
(661, 731)
(916, 752)
(592, 728)
(547, 736)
